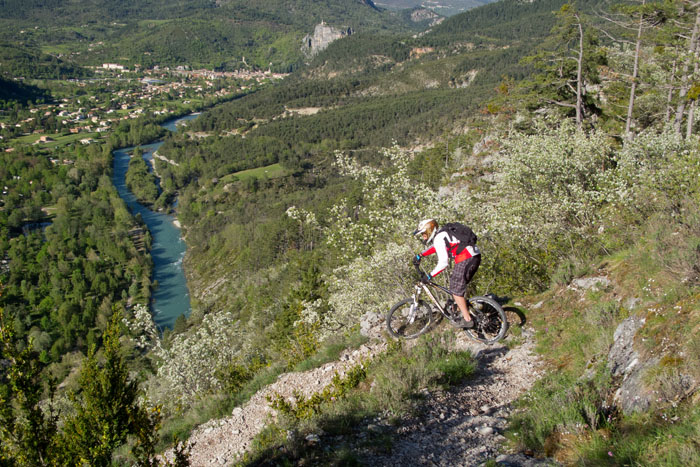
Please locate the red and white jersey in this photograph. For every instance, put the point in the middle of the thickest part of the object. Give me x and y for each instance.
(446, 247)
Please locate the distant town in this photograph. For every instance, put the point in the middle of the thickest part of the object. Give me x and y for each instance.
(91, 107)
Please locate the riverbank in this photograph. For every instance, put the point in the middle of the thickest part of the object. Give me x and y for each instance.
(170, 298)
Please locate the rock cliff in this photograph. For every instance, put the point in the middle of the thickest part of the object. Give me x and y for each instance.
(323, 35)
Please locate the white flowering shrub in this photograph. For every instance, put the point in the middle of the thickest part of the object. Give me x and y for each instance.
(364, 289)
(142, 328)
(549, 182)
(392, 205)
(374, 241)
(188, 366)
(191, 360)
(544, 197)
(655, 165)
(557, 190)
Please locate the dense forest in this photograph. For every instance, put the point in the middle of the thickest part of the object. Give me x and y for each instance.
(227, 35)
(68, 239)
(12, 91)
(26, 62)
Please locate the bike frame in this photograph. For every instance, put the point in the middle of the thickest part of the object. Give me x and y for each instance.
(490, 323)
(424, 287)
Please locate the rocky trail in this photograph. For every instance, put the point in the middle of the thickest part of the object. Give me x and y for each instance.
(459, 426)
(463, 426)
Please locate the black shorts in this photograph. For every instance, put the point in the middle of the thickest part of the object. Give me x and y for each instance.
(463, 273)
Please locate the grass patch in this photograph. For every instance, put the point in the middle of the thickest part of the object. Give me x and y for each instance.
(269, 171)
(664, 436)
(401, 375)
(331, 350)
(558, 409)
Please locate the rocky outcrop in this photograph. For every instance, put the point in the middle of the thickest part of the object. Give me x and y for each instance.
(423, 14)
(642, 377)
(323, 35)
(369, 3)
(625, 363)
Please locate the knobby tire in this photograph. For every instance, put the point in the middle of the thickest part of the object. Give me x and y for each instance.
(491, 323)
(403, 323)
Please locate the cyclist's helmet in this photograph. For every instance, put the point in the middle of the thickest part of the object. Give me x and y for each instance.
(428, 227)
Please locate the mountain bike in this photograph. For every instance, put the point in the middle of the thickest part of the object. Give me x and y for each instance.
(414, 316)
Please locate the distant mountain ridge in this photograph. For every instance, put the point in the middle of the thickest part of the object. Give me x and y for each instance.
(443, 7)
(206, 33)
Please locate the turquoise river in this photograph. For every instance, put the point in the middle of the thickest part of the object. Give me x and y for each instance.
(171, 297)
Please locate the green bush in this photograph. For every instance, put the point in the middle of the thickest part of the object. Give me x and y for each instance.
(307, 407)
(401, 374)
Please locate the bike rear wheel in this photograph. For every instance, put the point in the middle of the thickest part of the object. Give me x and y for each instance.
(490, 320)
(408, 321)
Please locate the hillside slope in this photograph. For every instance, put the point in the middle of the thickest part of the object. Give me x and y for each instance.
(462, 425)
(360, 94)
(223, 34)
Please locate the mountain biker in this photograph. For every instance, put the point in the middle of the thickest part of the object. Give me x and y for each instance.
(446, 244)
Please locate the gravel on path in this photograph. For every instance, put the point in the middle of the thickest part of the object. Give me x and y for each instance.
(461, 426)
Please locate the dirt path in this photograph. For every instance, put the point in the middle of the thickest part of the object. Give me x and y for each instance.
(220, 442)
(461, 426)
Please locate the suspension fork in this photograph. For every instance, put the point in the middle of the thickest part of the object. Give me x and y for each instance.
(422, 287)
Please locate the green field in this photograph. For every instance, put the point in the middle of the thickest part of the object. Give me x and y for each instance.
(269, 171)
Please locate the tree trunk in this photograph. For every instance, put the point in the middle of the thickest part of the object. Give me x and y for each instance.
(635, 72)
(693, 103)
(693, 49)
(691, 118)
(579, 77)
(669, 97)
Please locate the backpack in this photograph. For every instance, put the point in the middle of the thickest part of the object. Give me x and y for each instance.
(464, 234)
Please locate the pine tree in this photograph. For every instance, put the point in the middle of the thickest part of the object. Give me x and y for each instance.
(566, 64)
(28, 433)
(637, 27)
(107, 408)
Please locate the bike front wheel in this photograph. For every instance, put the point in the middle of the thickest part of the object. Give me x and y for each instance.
(490, 320)
(409, 319)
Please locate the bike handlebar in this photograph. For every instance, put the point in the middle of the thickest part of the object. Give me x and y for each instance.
(419, 269)
(422, 273)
